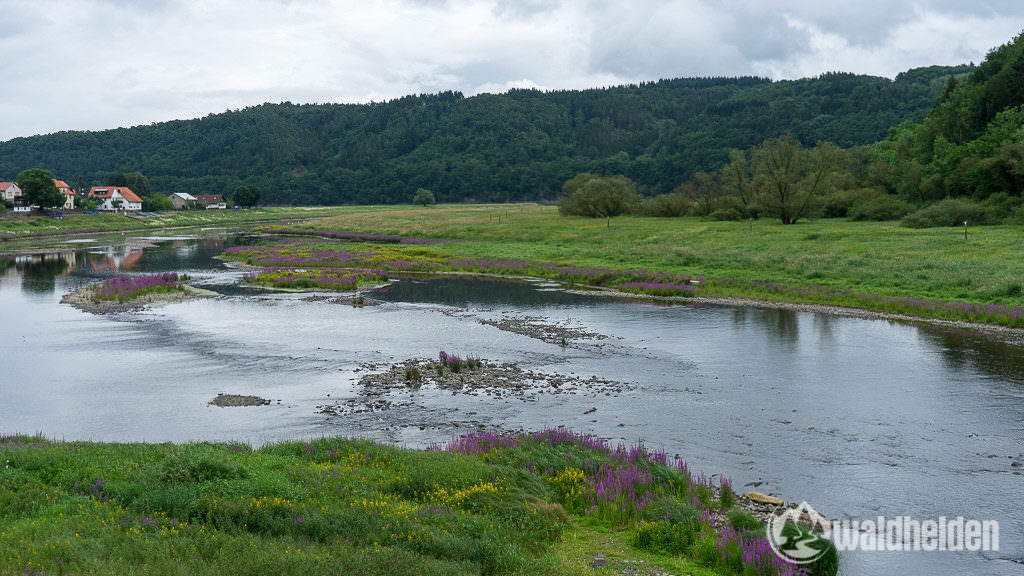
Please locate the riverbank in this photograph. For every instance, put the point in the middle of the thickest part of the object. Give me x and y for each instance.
(18, 228)
(924, 274)
(85, 299)
(542, 502)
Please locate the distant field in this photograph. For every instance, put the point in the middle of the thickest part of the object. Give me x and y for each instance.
(36, 225)
(871, 258)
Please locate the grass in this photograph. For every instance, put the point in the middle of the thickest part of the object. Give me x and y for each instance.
(539, 503)
(873, 260)
(16, 227)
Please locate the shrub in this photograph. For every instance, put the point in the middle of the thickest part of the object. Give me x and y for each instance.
(1001, 208)
(879, 209)
(726, 214)
(664, 537)
(838, 204)
(740, 519)
(949, 212)
(666, 205)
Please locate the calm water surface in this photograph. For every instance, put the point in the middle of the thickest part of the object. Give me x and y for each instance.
(858, 417)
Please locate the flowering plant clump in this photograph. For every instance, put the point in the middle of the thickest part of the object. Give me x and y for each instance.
(125, 288)
(659, 288)
(394, 258)
(621, 484)
(456, 363)
(326, 278)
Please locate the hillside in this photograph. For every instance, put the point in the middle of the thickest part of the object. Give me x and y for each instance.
(972, 143)
(518, 145)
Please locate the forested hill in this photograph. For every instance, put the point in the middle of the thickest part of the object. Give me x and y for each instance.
(972, 143)
(520, 145)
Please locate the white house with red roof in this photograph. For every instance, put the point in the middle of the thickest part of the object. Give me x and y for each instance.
(9, 191)
(69, 194)
(114, 198)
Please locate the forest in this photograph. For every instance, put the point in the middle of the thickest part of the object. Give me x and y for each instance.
(961, 164)
(519, 145)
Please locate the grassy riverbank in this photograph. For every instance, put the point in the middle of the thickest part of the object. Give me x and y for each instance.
(834, 262)
(543, 503)
(17, 227)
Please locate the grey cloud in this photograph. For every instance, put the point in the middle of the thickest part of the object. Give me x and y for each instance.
(107, 63)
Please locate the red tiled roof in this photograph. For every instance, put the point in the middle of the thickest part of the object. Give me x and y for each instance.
(210, 199)
(108, 191)
(6, 185)
(63, 187)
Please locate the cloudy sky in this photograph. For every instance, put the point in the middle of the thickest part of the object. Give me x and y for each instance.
(96, 64)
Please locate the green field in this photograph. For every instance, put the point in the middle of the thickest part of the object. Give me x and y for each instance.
(486, 504)
(44, 225)
(859, 259)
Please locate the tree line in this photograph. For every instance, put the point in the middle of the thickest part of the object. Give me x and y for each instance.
(523, 144)
(962, 163)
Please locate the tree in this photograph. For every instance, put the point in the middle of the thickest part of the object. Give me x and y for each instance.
(132, 180)
(247, 196)
(598, 197)
(736, 181)
(704, 191)
(155, 202)
(789, 179)
(423, 197)
(37, 186)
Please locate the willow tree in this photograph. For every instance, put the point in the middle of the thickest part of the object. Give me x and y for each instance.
(789, 179)
(598, 196)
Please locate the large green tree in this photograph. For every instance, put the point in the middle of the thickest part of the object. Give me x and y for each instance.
(790, 179)
(247, 195)
(598, 197)
(37, 186)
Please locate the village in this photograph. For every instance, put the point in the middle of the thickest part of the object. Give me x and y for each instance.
(106, 199)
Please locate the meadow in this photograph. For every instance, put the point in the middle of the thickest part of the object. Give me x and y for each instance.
(538, 503)
(932, 272)
(20, 227)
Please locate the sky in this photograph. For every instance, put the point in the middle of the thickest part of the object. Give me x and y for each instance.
(98, 64)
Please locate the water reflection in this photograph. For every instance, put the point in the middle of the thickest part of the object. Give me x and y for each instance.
(479, 292)
(782, 325)
(39, 273)
(968, 351)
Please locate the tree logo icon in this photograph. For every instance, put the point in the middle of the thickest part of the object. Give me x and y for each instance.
(793, 534)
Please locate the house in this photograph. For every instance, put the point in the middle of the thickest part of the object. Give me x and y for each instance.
(116, 198)
(69, 194)
(9, 191)
(181, 199)
(211, 202)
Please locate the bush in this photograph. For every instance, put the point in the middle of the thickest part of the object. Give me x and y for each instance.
(726, 214)
(879, 209)
(1001, 208)
(740, 519)
(838, 204)
(666, 205)
(949, 212)
(664, 537)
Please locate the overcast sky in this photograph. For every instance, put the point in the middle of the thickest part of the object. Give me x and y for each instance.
(96, 64)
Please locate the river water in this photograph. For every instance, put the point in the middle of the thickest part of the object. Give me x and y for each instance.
(858, 417)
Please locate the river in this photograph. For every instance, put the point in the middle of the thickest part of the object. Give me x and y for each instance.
(858, 417)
